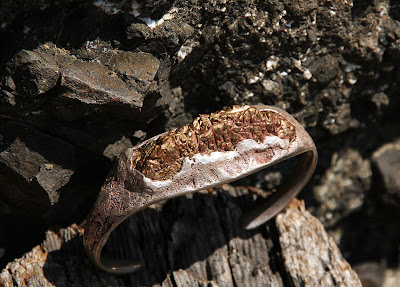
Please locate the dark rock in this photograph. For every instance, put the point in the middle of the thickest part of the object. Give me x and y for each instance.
(113, 151)
(33, 73)
(138, 69)
(9, 9)
(340, 121)
(209, 33)
(325, 69)
(167, 36)
(115, 79)
(93, 50)
(93, 83)
(77, 93)
(298, 9)
(141, 9)
(341, 190)
(380, 100)
(39, 172)
(371, 274)
(272, 88)
(40, 160)
(7, 98)
(387, 161)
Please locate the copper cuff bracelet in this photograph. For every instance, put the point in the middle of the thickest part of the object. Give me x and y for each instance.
(213, 150)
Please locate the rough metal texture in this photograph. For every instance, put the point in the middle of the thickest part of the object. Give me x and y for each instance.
(204, 247)
(219, 131)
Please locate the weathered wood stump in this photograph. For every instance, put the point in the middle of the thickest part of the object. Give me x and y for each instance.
(195, 241)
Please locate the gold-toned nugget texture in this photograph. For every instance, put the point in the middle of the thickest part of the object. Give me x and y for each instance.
(220, 131)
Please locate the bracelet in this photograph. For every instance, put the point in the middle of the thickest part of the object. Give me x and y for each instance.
(215, 149)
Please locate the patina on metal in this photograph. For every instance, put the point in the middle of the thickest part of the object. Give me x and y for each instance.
(214, 149)
(221, 131)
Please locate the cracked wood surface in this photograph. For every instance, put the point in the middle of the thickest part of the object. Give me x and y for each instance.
(195, 241)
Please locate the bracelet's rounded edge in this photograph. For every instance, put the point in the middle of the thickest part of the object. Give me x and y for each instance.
(271, 206)
(109, 211)
(114, 266)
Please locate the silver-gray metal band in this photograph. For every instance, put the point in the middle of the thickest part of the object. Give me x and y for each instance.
(126, 191)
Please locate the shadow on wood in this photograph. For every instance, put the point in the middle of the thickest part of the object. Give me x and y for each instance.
(196, 241)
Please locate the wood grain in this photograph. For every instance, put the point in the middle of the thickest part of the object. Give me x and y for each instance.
(195, 241)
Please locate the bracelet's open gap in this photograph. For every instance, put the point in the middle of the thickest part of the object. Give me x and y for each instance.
(121, 263)
(270, 206)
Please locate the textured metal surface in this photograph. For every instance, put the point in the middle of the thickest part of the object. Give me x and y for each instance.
(215, 149)
(219, 131)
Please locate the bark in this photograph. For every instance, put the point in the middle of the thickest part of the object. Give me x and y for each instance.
(195, 241)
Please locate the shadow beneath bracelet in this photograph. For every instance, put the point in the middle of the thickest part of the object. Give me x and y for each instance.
(189, 234)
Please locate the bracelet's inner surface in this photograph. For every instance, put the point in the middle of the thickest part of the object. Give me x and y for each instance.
(286, 191)
(264, 210)
(121, 266)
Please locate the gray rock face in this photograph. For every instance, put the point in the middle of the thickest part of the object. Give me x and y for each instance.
(325, 69)
(33, 73)
(139, 68)
(53, 133)
(84, 81)
(342, 188)
(116, 78)
(43, 162)
(36, 170)
(387, 161)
